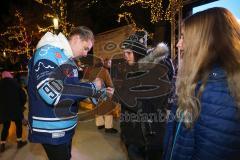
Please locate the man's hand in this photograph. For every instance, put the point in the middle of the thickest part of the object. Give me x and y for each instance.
(109, 91)
(98, 83)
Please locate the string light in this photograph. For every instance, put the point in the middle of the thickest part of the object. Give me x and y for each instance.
(8, 50)
(20, 34)
(129, 19)
(156, 8)
(92, 3)
(44, 29)
(59, 11)
(173, 8)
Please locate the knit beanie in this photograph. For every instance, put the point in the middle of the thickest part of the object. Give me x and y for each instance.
(137, 42)
(6, 74)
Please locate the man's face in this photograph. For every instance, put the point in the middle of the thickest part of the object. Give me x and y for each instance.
(80, 47)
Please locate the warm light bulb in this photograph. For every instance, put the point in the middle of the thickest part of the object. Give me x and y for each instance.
(55, 23)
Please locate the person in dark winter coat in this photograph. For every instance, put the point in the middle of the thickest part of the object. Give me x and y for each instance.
(143, 96)
(207, 125)
(12, 100)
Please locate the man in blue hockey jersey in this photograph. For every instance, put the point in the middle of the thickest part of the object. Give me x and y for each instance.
(54, 90)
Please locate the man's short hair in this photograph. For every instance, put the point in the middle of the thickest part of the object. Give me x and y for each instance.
(84, 33)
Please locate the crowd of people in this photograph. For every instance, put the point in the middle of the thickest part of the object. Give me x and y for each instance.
(193, 114)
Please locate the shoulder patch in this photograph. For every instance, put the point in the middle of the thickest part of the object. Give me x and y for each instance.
(58, 55)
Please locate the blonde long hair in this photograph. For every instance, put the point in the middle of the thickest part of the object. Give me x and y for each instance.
(210, 37)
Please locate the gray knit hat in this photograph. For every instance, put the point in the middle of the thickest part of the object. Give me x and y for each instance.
(137, 42)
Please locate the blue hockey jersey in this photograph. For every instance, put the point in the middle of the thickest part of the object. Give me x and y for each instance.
(54, 90)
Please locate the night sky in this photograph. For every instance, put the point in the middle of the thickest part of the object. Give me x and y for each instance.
(100, 17)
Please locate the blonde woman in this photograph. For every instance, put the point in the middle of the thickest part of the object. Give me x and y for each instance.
(208, 90)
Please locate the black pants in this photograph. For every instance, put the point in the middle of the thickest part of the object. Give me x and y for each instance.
(58, 152)
(141, 153)
(6, 126)
(135, 153)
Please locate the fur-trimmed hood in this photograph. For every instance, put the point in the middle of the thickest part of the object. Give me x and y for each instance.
(155, 55)
(59, 41)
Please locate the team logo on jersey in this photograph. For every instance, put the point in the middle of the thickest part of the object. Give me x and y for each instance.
(58, 55)
(75, 72)
(42, 65)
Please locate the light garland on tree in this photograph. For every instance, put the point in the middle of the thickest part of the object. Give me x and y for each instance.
(46, 29)
(20, 34)
(59, 12)
(156, 8)
(129, 19)
(6, 50)
(93, 2)
(173, 8)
